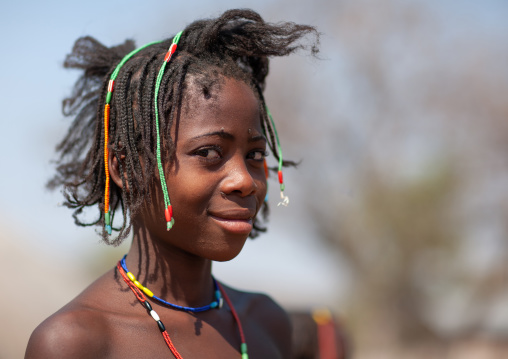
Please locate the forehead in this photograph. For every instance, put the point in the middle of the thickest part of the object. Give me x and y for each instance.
(219, 104)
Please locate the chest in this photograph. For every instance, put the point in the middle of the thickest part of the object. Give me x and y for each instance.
(192, 336)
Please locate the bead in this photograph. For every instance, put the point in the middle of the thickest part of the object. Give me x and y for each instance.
(170, 224)
(154, 315)
(106, 113)
(107, 218)
(282, 187)
(170, 52)
(161, 326)
(221, 302)
(265, 165)
(172, 48)
(130, 277)
(280, 177)
(169, 213)
(139, 285)
(147, 291)
(111, 85)
(148, 306)
(243, 347)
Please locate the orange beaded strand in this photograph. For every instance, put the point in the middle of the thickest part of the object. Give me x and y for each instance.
(106, 166)
(109, 95)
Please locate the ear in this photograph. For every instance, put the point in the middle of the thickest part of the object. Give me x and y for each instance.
(114, 168)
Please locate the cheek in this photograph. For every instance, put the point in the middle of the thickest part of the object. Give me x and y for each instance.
(190, 193)
(262, 190)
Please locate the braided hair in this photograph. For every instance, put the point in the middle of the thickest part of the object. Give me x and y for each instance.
(236, 45)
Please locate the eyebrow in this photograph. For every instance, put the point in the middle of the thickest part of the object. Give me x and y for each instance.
(256, 138)
(228, 136)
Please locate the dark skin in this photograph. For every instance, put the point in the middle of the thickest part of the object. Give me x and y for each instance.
(216, 185)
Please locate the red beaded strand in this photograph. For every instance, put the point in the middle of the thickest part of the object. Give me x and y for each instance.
(233, 311)
(142, 299)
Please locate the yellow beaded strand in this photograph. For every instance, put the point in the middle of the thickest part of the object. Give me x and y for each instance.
(145, 290)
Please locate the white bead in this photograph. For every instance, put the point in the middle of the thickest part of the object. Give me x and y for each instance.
(155, 316)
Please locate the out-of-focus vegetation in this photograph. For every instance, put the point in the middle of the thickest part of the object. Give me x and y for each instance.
(408, 179)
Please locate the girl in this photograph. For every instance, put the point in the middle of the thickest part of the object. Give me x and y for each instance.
(171, 138)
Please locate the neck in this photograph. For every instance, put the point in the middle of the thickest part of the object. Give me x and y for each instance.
(171, 274)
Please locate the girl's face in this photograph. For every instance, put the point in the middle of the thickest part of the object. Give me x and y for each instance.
(216, 182)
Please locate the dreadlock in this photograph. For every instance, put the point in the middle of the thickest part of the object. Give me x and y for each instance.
(236, 45)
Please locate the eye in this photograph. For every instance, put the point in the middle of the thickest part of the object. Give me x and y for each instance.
(257, 155)
(209, 153)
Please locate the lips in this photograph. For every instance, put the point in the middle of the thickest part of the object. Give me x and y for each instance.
(238, 221)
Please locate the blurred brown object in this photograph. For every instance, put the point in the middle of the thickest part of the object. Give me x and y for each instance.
(318, 335)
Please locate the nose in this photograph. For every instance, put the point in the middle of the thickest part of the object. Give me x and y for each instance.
(239, 180)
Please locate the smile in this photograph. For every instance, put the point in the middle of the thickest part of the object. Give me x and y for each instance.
(234, 224)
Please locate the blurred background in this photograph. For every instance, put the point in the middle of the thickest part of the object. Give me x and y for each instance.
(399, 210)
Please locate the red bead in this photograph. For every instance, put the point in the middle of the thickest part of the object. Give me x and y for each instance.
(111, 85)
(266, 169)
(280, 177)
(169, 213)
(168, 55)
(172, 49)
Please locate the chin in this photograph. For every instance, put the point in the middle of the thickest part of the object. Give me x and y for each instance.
(228, 251)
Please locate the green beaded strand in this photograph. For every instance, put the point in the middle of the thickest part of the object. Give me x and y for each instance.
(284, 199)
(243, 350)
(162, 178)
(109, 95)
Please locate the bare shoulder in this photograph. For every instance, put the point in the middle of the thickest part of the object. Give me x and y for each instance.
(268, 313)
(75, 332)
(79, 330)
(266, 318)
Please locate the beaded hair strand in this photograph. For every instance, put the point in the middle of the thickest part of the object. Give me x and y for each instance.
(168, 209)
(111, 85)
(284, 199)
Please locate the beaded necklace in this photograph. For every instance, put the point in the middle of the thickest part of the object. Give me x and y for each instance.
(142, 299)
(217, 303)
